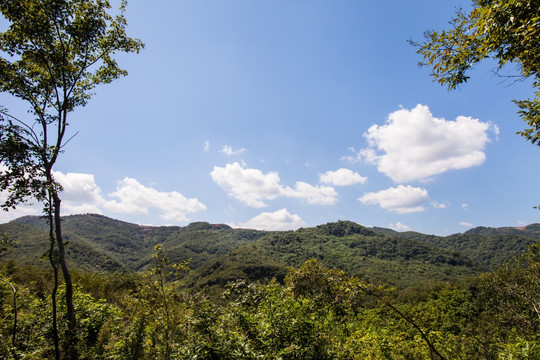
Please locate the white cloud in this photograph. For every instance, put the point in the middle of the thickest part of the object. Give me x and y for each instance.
(465, 223)
(415, 145)
(136, 198)
(399, 227)
(465, 206)
(207, 146)
(496, 131)
(21, 210)
(252, 187)
(352, 159)
(228, 150)
(29, 208)
(317, 195)
(81, 194)
(438, 205)
(342, 177)
(277, 220)
(402, 199)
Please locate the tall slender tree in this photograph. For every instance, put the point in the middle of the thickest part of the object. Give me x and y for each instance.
(53, 54)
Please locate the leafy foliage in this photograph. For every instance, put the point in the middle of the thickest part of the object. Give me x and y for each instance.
(53, 54)
(247, 262)
(218, 253)
(21, 173)
(380, 259)
(503, 30)
(316, 313)
(491, 250)
(344, 228)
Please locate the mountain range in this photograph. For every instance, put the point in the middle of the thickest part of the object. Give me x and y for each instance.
(218, 253)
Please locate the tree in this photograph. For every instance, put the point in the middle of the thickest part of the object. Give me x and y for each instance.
(512, 293)
(4, 244)
(54, 53)
(333, 287)
(507, 31)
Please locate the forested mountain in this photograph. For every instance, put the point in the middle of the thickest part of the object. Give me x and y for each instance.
(487, 246)
(112, 245)
(218, 253)
(313, 293)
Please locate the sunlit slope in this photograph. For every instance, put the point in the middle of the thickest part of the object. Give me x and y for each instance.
(219, 253)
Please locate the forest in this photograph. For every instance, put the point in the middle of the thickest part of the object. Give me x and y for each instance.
(335, 291)
(91, 287)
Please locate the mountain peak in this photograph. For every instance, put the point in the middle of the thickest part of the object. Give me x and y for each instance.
(202, 225)
(344, 228)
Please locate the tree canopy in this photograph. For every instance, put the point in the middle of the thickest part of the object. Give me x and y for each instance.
(53, 54)
(507, 31)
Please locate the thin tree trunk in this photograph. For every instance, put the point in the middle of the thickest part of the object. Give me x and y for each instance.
(71, 340)
(53, 260)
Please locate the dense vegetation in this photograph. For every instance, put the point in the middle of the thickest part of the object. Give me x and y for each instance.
(219, 253)
(314, 293)
(316, 313)
(504, 31)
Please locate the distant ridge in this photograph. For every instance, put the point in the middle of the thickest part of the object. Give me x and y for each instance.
(220, 253)
(532, 230)
(348, 227)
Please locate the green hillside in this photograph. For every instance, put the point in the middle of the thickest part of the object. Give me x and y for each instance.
(253, 293)
(490, 247)
(379, 259)
(219, 253)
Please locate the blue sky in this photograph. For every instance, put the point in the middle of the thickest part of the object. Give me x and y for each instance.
(288, 114)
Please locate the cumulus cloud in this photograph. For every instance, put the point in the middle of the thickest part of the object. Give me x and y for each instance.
(82, 195)
(401, 199)
(136, 198)
(253, 187)
(228, 150)
(250, 186)
(415, 145)
(21, 210)
(272, 221)
(313, 194)
(399, 227)
(342, 177)
(465, 223)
